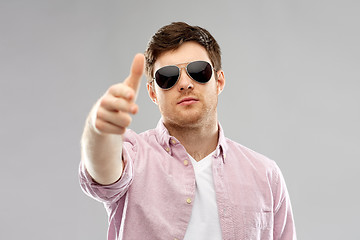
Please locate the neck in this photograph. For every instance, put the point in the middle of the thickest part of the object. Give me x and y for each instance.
(199, 140)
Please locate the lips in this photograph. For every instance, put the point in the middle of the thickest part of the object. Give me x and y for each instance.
(187, 101)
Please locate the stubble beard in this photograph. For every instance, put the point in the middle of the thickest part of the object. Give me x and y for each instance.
(191, 119)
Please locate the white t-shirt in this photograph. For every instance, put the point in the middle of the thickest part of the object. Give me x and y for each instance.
(204, 222)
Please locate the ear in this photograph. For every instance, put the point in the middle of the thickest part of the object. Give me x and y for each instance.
(220, 81)
(151, 92)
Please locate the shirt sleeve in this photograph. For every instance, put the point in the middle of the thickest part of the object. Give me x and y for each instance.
(113, 192)
(284, 226)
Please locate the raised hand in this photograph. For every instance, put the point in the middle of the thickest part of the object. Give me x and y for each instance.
(112, 113)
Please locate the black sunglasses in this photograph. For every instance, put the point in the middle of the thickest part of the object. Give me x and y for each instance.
(200, 71)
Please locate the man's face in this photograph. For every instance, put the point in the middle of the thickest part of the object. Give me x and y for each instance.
(188, 103)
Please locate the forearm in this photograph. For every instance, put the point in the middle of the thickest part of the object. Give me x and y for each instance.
(102, 155)
(101, 143)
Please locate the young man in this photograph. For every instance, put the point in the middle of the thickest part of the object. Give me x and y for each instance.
(184, 179)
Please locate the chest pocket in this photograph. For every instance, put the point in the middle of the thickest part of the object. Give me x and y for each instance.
(259, 224)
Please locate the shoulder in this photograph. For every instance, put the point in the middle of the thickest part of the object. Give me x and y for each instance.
(133, 141)
(238, 154)
(244, 152)
(131, 136)
(155, 136)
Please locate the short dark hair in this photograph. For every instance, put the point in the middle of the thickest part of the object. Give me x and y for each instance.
(170, 37)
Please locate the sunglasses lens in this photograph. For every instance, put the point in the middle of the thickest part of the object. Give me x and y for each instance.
(166, 77)
(200, 71)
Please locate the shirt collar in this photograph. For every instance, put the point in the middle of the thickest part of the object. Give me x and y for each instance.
(167, 141)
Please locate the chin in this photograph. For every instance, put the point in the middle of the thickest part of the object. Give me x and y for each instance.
(187, 120)
(190, 117)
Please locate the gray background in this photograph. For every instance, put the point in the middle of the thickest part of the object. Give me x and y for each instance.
(292, 93)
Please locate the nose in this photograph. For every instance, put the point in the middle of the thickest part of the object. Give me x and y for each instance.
(185, 82)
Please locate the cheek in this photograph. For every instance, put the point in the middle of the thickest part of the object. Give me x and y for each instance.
(163, 102)
(160, 98)
(213, 90)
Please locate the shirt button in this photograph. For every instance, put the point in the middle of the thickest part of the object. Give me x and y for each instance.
(167, 149)
(188, 200)
(173, 141)
(186, 162)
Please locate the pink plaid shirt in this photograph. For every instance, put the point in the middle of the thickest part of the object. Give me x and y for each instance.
(154, 197)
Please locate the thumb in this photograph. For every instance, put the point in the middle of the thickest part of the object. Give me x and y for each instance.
(136, 72)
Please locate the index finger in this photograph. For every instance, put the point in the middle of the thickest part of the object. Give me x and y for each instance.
(136, 72)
